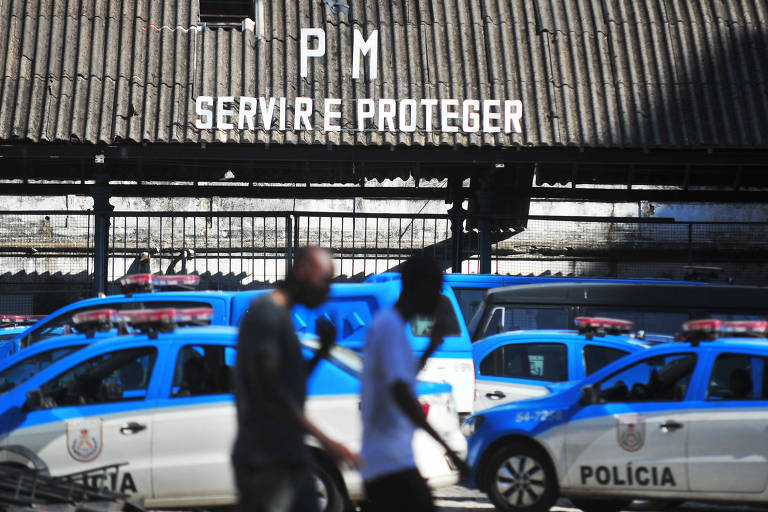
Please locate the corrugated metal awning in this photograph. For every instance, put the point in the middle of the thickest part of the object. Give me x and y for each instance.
(618, 73)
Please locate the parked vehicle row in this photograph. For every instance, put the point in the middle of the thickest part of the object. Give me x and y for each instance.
(679, 421)
(161, 403)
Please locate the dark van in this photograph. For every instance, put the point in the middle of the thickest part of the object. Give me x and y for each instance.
(654, 307)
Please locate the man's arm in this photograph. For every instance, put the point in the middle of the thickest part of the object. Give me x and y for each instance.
(277, 401)
(408, 404)
(326, 331)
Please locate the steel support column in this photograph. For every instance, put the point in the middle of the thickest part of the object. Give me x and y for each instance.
(102, 212)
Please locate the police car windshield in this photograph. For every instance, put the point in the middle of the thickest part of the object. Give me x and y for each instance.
(29, 367)
(8, 336)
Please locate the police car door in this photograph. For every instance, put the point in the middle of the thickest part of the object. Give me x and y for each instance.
(516, 371)
(634, 438)
(96, 414)
(195, 426)
(728, 430)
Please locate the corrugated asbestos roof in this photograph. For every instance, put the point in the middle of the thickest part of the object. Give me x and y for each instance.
(601, 73)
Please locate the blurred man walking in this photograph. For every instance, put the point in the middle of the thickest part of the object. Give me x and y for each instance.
(272, 463)
(390, 410)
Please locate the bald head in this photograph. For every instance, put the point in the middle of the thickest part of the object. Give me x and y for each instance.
(309, 281)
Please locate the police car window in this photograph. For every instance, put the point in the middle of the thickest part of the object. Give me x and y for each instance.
(595, 357)
(23, 370)
(656, 379)
(661, 322)
(422, 325)
(117, 376)
(537, 361)
(516, 318)
(63, 324)
(738, 377)
(204, 370)
(469, 299)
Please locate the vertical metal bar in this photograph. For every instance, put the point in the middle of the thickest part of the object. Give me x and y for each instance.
(173, 246)
(365, 245)
(88, 248)
(289, 243)
(194, 240)
(376, 248)
(485, 246)
(354, 246)
(690, 243)
(206, 245)
(341, 264)
(125, 245)
(160, 246)
(399, 240)
(218, 251)
(240, 251)
(264, 247)
(389, 233)
(112, 222)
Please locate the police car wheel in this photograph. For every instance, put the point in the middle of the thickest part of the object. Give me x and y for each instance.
(589, 505)
(520, 478)
(329, 497)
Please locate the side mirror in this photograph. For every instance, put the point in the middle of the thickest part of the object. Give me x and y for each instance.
(589, 395)
(34, 400)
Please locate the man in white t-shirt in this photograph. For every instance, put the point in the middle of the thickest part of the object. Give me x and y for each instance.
(390, 410)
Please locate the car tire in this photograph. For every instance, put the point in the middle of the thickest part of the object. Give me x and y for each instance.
(520, 478)
(329, 495)
(592, 505)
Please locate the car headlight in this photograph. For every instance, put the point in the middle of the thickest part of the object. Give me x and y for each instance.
(470, 426)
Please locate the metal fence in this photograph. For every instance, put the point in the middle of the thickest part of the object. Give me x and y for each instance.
(46, 257)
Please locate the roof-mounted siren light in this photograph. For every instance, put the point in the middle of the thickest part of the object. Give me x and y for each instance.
(600, 326)
(184, 282)
(135, 283)
(96, 320)
(150, 321)
(696, 331)
(15, 320)
(701, 272)
(745, 328)
(194, 316)
(147, 282)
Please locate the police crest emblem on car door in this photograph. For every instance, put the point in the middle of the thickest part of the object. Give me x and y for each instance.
(630, 431)
(84, 439)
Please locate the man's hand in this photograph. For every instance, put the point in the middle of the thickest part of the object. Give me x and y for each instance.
(326, 331)
(340, 453)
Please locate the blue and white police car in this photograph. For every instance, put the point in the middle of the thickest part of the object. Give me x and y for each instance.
(10, 327)
(679, 421)
(524, 364)
(160, 403)
(350, 307)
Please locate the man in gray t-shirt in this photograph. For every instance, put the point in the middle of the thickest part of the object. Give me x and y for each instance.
(390, 410)
(272, 464)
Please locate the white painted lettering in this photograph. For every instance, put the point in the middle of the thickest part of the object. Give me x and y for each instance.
(205, 116)
(305, 52)
(513, 113)
(282, 114)
(246, 113)
(489, 116)
(364, 111)
(361, 46)
(222, 114)
(446, 114)
(470, 121)
(267, 112)
(387, 109)
(301, 112)
(330, 115)
(428, 105)
(407, 109)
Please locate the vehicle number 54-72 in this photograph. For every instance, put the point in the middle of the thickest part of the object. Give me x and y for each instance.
(542, 415)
